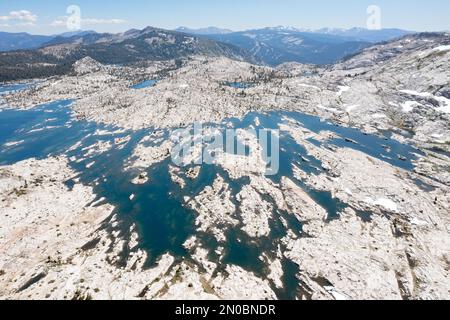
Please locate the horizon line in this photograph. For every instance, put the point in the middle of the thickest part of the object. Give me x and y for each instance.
(294, 29)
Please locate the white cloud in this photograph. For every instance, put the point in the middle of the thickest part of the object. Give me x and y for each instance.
(59, 22)
(62, 21)
(20, 18)
(90, 21)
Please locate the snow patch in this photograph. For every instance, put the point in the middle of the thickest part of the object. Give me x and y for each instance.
(342, 89)
(418, 94)
(335, 293)
(443, 101)
(409, 106)
(441, 48)
(383, 202)
(351, 108)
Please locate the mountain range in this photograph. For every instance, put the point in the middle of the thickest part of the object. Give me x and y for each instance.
(24, 41)
(356, 34)
(29, 56)
(204, 31)
(362, 34)
(19, 41)
(57, 55)
(275, 46)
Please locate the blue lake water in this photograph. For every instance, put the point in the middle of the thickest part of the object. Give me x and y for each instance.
(145, 84)
(163, 222)
(12, 87)
(240, 85)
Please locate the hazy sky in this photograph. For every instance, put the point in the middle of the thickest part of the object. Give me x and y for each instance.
(50, 16)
